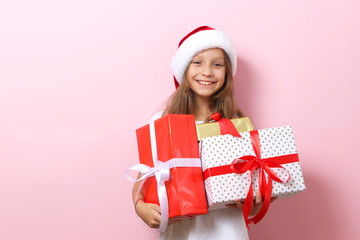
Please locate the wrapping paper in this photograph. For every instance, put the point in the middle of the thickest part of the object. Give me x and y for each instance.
(213, 128)
(175, 139)
(222, 150)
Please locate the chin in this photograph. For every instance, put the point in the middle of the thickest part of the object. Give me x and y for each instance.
(205, 94)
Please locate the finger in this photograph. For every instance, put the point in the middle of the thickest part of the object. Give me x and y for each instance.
(238, 203)
(258, 198)
(156, 213)
(156, 207)
(157, 217)
(154, 224)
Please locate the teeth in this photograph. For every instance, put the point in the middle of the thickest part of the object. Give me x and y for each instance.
(205, 83)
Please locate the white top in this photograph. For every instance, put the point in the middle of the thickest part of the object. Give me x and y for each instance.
(225, 224)
(159, 114)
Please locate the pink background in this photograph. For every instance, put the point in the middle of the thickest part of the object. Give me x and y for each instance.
(78, 77)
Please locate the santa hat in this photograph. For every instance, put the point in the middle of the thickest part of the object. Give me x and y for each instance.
(200, 39)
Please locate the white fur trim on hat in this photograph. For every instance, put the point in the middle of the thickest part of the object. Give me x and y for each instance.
(198, 42)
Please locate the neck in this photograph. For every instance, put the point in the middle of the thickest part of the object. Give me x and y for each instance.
(202, 108)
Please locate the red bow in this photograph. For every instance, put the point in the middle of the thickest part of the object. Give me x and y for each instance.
(250, 163)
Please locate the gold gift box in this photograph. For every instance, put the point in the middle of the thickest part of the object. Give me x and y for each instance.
(213, 129)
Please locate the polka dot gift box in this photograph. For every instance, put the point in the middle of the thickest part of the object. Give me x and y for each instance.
(228, 163)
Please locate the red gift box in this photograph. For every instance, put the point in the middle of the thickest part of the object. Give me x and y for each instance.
(176, 142)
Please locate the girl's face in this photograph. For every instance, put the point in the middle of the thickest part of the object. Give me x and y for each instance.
(206, 72)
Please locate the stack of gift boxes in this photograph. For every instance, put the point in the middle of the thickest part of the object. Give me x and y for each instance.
(208, 168)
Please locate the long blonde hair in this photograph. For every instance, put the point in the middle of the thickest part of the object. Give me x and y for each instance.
(182, 101)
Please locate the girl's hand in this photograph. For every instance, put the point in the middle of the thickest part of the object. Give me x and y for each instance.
(149, 213)
(256, 206)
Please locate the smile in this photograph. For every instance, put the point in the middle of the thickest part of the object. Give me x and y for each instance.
(205, 82)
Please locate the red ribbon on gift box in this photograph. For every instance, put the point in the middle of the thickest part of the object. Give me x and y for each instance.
(226, 126)
(250, 163)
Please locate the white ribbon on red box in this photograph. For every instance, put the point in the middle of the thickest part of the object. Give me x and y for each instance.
(161, 171)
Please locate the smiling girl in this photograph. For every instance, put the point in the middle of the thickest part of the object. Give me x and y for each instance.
(203, 67)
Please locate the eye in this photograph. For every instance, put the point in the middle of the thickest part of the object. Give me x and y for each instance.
(218, 65)
(196, 62)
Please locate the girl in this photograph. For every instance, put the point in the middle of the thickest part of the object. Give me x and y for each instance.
(203, 66)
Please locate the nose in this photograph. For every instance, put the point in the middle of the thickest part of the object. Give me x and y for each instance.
(207, 71)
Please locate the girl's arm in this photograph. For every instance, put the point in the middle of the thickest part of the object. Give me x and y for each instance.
(148, 212)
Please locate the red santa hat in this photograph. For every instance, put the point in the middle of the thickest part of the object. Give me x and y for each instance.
(198, 40)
